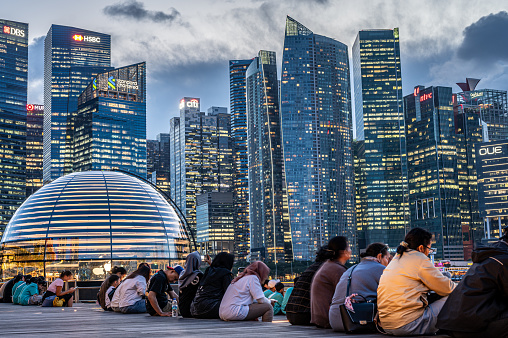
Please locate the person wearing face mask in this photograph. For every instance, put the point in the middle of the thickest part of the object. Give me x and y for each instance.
(364, 281)
(403, 305)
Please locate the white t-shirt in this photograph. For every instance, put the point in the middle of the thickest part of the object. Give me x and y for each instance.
(129, 292)
(56, 282)
(108, 301)
(238, 297)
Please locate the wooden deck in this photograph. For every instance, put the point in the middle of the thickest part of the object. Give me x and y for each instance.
(88, 320)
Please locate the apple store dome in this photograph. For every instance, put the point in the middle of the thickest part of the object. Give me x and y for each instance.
(87, 222)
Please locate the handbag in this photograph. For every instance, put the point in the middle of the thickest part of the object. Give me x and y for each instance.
(361, 320)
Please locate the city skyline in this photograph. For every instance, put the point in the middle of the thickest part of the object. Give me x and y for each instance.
(433, 51)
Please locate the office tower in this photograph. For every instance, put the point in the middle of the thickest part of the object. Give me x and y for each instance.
(215, 222)
(360, 189)
(72, 57)
(380, 125)
(317, 134)
(110, 125)
(200, 156)
(34, 148)
(270, 233)
(432, 168)
(157, 162)
(13, 95)
(238, 106)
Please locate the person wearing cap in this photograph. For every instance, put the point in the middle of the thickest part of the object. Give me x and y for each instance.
(157, 303)
(478, 306)
(271, 287)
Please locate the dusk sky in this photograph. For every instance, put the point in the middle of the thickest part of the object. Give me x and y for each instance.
(187, 44)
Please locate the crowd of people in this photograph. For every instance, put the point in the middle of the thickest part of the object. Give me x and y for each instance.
(411, 295)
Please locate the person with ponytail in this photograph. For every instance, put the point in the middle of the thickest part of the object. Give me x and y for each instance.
(404, 308)
(129, 296)
(117, 271)
(364, 281)
(326, 279)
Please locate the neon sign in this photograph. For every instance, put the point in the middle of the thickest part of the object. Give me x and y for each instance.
(14, 31)
(86, 38)
(127, 84)
(491, 151)
(425, 97)
(111, 82)
(416, 91)
(31, 107)
(473, 95)
(193, 103)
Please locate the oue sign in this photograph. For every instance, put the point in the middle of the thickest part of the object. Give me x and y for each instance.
(491, 151)
(194, 103)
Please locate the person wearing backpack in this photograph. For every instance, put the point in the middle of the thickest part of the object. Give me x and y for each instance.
(364, 281)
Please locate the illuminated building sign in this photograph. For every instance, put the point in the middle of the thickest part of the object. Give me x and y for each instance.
(425, 97)
(192, 103)
(490, 151)
(111, 82)
(31, 107)
(14, 31)
(474, 95)
(94, 84)
(416, 91)
(86, 38)
(127, 84)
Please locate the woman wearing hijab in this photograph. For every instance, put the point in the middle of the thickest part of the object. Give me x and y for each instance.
(212, 288)
(238, 301)
(188, 283)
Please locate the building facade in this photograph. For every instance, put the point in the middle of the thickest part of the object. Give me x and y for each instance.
(270, 233)
(380, 125)
(432, 168)
(317, 138)
(157, 162)
(13, 100)
(238, 107)
(34, 147)
(72, 58)
(200, 156)
(110, 125)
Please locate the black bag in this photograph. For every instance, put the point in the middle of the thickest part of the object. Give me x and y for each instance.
(362, 319)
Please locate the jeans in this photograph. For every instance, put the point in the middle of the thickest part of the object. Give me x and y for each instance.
(263, 310)
(138, 307)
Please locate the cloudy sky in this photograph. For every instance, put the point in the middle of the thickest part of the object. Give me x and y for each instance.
(187, 44)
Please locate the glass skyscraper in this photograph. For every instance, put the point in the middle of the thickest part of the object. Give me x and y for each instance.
(432, 168)
(34, 148)
(317, 137)
(157, 162)
(72, 57)
(13, 100)
(380, 125)
(238, 107)
(270, 235)
(110, 126)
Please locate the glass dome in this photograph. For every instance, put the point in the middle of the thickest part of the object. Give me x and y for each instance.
(87, 222)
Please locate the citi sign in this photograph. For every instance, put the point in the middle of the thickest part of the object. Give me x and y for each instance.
(14, 31)
(86, 38)
(194, 103)
(491, 151)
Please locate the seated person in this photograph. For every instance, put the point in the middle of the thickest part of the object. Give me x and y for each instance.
(55, 290)
(270, 287)
(7, 292)
(18, 287)
(287, 294)
(403, 304)
(129, 297)
(188, 282)
(478, 306)
(216, 280)
(265, 283)
(31, 293)
(112, 283)
(364, 281)
(120, 272)
(157, 303)
(244, 298)
(278, 296)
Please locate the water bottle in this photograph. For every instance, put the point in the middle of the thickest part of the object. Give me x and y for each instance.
(174, 308)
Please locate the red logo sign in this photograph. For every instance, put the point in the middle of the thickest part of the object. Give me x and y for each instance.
(7, 30)
(29, 107)
(416, 91)
(78, 37)
(425, 97)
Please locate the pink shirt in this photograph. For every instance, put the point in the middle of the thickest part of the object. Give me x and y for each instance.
(56, 282)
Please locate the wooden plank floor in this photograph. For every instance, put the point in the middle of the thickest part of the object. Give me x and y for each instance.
(88, 320)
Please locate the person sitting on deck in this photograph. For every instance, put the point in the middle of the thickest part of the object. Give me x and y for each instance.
(129, 297)
(478, 307)
(278, 296)
(287, 294)
(402, 296)
(188, 282)
(18, 287)
(55, 291)
(215, 282)
(113, 282)
(32, 292)
(120, 272)
(157, 303)
(270, 287)
(7, 288)
(238, 301)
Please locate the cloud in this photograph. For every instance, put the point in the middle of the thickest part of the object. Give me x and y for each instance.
(136, 10)
(486, 39)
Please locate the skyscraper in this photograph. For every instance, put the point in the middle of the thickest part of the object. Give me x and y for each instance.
(270, 233)
(72, 57)
(157, 162)
(110, 125)
(317, 137)
(34, 148)
(201, 155)
(380, 124)
(432, 168)
(13, 96)
(238, 106)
